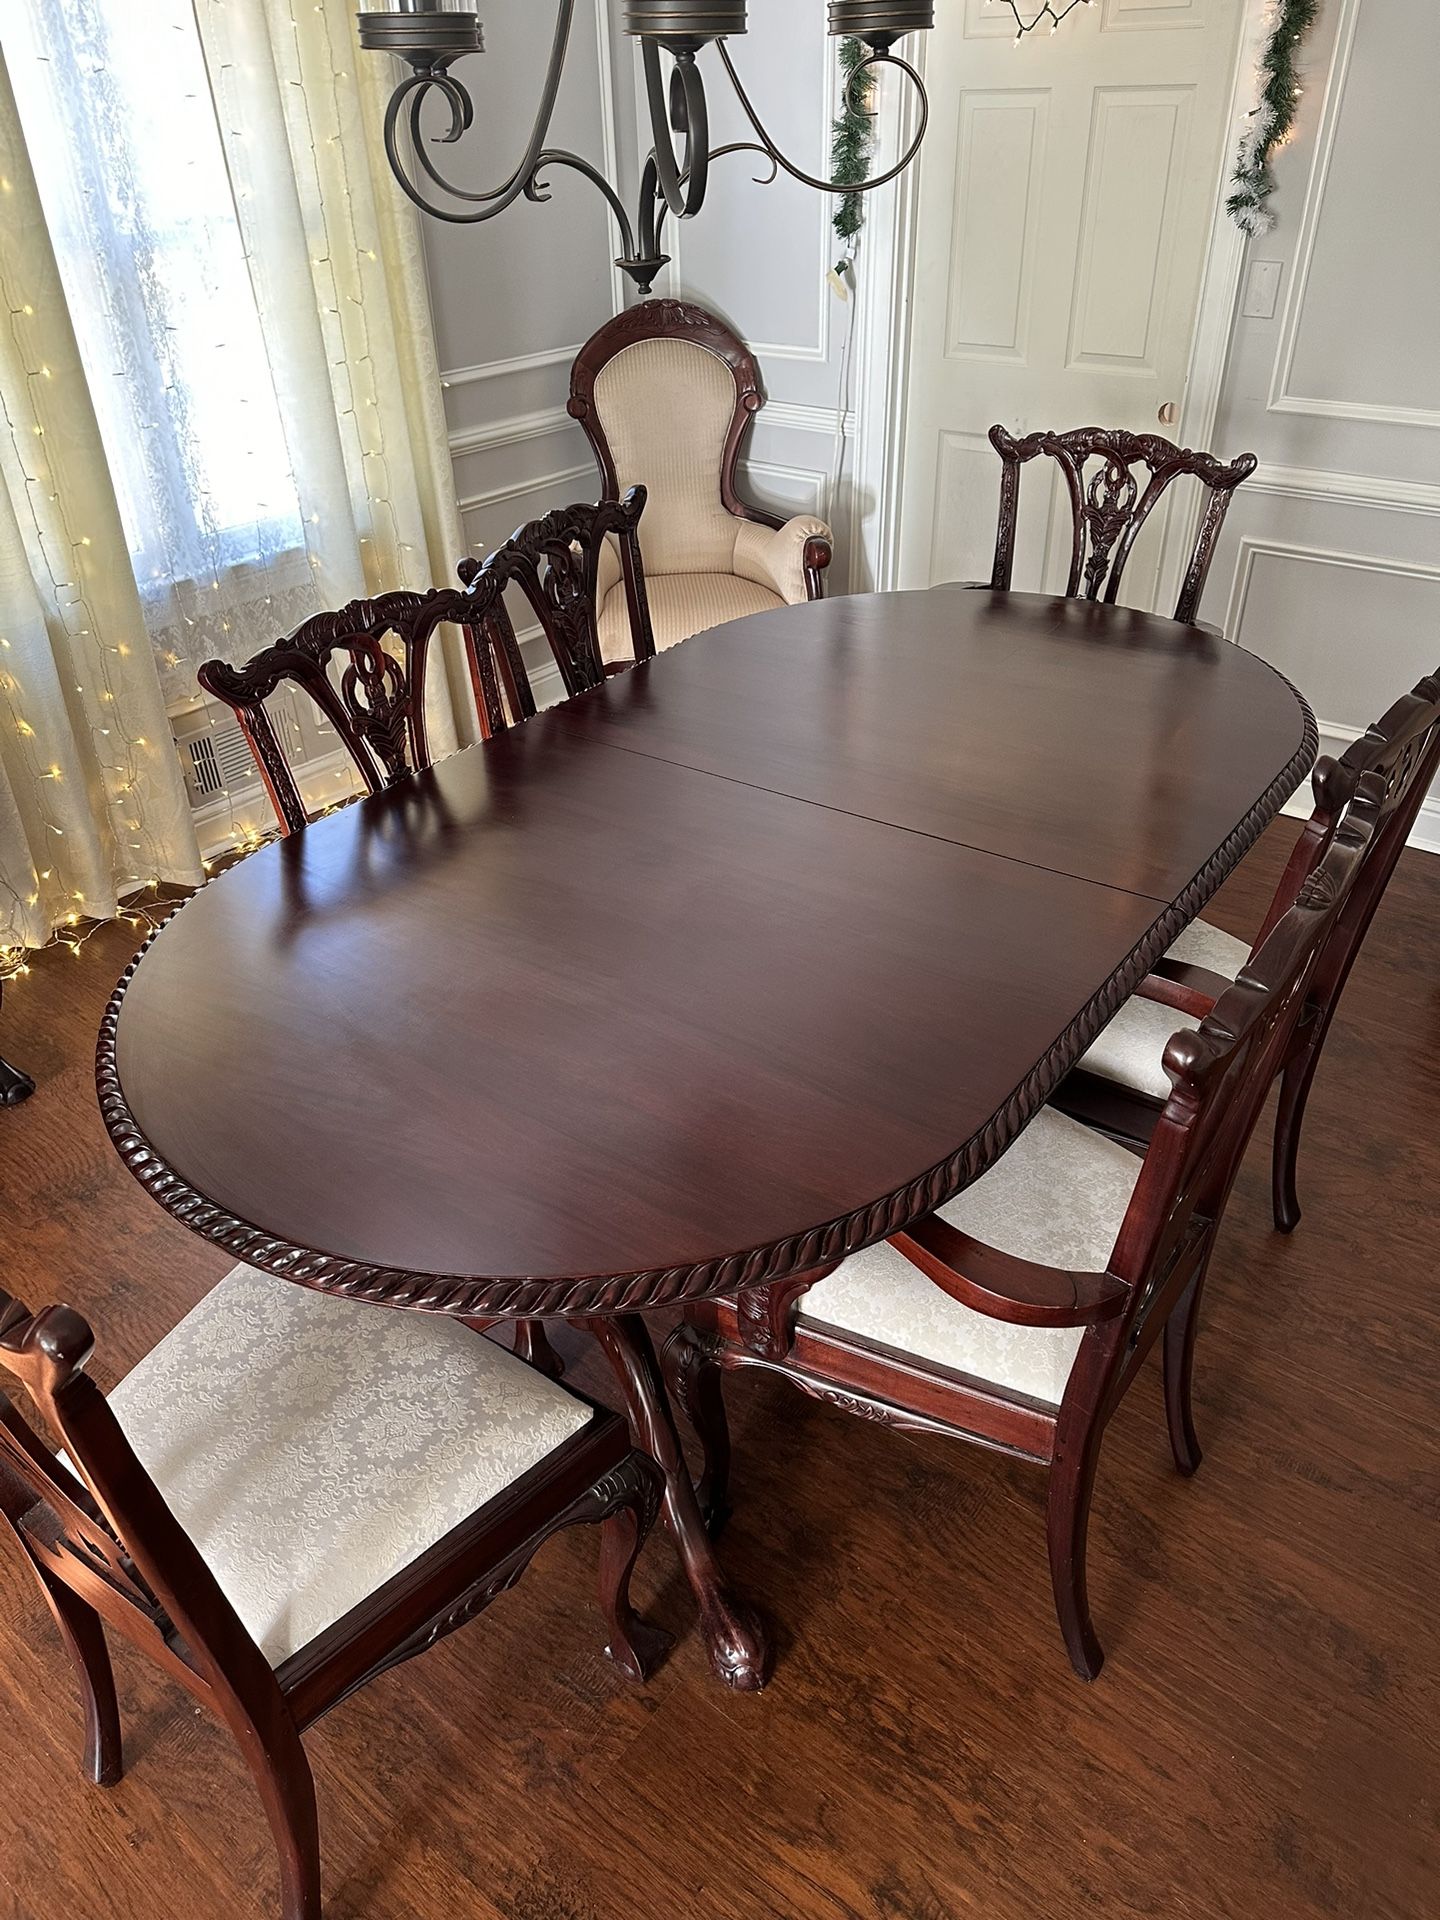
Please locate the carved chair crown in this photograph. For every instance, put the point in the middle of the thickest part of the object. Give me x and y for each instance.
(371, 693)
(1108, 506)
(1383, 776)
(654, 320)
(1401, 751)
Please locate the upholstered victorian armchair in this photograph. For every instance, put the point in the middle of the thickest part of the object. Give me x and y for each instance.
(665, 392)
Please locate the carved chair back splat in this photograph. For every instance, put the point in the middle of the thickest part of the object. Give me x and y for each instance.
(1391, 767)
(372, 697)
(558, 563)
(106, 1549)
(1151, 1287)
(1108, 506)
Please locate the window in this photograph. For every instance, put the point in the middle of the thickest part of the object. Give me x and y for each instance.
(121, 129)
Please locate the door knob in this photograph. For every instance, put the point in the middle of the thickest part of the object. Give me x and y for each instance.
(1168, 414)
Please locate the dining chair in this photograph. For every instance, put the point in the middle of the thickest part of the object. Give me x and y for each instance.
(1120, 1083)
(561, 564)
(371, 694)
(1018, 1314)
(290, 1495)
(665, 392)
(1108, 507)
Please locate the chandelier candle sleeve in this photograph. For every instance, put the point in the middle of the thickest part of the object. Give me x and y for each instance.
(684, 26)
(880, 22)
(428, 36)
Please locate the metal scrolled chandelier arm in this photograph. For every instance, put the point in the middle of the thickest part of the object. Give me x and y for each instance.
(432, 34)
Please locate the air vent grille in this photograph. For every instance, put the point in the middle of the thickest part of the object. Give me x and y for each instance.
(219, 758)
(205, 773)
(233, 756)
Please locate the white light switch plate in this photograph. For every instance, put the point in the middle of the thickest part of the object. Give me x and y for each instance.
(1262, 290)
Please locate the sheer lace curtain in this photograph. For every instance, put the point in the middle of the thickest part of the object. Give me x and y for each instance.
(221, 408)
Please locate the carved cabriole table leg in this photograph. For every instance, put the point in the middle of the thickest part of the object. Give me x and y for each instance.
(739, 1649)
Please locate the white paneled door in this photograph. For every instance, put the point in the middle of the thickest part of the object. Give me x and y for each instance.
(1067, 193)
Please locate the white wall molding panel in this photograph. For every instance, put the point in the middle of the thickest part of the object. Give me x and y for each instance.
(1329, 565)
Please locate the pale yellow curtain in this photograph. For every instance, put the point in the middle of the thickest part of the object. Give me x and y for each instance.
(98, 637)
(336, 260)
(92, 803)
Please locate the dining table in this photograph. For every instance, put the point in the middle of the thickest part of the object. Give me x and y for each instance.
(713, 975)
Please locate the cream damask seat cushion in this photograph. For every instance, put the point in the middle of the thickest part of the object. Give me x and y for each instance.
(1131, 1049)
(313, 1447)
(1058, 1196)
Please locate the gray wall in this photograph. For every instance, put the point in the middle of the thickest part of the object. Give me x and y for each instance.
(514, 297)
(1331, 556)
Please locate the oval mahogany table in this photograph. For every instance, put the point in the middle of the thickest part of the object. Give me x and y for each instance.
(713, 975)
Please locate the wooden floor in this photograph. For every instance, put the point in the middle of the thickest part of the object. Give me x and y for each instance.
(1262, 1743)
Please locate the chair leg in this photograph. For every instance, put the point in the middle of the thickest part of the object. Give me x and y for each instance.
(635, 1646)
(287, 1789)
(1072, 1480)
(532, 1344)
(84, 1635)
(694, 1379)
(1295, 1085)
(1179, 1363)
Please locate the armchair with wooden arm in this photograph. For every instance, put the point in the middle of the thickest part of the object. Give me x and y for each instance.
(1120, 1083)
(1018, 1315)
(665, 393)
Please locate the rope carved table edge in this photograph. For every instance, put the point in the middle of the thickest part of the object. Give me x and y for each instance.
(471, 1296)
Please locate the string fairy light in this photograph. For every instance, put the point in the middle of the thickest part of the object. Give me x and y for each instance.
(137, 777)
(1054, 13)
(76, 930)
(346, 226)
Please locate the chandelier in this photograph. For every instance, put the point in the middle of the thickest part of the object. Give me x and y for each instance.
(430, 35)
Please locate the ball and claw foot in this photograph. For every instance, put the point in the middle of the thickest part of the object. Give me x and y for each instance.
(739, 1649)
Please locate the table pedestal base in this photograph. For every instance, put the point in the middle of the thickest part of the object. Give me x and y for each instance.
(738, 1647)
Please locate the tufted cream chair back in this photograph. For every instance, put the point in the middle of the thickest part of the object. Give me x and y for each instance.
(665, 392)
(665, 407)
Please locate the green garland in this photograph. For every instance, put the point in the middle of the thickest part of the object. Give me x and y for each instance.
(1272, 118)
(852, 142)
